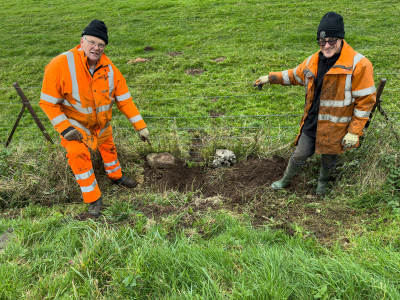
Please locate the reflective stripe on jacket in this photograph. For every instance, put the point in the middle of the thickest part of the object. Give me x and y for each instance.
(347, 96)
(72, 97)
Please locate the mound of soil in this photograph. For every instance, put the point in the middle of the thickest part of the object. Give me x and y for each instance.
(139, 60)
(174, 53)
(219, 59)
(194, 71)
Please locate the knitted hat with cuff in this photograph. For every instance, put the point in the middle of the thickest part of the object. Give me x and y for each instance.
(98, 29)
(331, 25)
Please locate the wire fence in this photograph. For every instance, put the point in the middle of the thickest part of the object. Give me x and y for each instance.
(188, 137)
(199, 97)
(183, 131)
(190, 83)
(202, 134)
(186, 98)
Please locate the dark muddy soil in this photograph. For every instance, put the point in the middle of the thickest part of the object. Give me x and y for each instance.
(246, 188)
(240, 183)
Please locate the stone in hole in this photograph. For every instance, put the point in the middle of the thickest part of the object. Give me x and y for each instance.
(161, 160)
(224, 158)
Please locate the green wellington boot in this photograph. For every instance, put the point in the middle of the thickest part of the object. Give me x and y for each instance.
(323, 180)
(291, 170)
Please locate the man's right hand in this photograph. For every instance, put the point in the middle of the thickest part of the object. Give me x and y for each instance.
(73, 135)
(144, 135)
(261, 81)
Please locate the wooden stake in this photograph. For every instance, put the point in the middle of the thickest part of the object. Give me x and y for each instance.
(26, 104)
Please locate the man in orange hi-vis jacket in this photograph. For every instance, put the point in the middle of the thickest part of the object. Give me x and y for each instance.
(79, 89)
(339, 95)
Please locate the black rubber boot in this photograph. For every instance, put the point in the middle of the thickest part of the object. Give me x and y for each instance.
(95, 207)
(291, 170)
(126, 182)
(323, 180)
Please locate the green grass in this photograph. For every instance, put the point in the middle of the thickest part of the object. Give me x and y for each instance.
(55, 256)
(255, 37)
(221, 255)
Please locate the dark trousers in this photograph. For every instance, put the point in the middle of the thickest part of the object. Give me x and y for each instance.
(306, 148)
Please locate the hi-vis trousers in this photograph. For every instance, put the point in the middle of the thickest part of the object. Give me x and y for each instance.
(79, 160)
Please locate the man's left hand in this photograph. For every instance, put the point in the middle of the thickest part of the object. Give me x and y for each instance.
(144, 135)
(349, 140)
(261, 81)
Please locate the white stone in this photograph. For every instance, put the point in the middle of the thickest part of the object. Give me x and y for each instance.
(224, 158)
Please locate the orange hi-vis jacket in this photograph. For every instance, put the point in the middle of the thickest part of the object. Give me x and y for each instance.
(347, 96)
(72, 97)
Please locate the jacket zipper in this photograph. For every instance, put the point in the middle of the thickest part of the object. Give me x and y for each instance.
(91, 88)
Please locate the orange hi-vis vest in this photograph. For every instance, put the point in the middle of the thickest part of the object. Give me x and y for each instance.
(347, 96)
(71, 96)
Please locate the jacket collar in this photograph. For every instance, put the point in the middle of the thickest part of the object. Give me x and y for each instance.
(103, 61)
(345, 62)
(343, 65)
(329, 62)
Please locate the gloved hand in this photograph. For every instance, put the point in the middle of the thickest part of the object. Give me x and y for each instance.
(349, 140)
(73, 135)
(261, 81)
(144, 135)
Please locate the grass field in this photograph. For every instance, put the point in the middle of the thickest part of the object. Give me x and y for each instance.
(223, 253)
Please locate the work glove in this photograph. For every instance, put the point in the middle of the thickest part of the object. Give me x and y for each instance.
(144, 135)
(73, 135)
(261, 81)
(349, 140)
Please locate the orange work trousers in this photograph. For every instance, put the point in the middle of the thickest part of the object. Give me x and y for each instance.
(79, 160)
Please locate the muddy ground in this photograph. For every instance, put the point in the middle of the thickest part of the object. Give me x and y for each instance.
(245, 188)
(240, 183)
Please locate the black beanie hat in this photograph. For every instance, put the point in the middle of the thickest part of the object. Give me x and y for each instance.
(331, 25)
(98, 29)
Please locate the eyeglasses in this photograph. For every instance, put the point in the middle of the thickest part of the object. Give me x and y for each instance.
(91, 43)
(331, 42)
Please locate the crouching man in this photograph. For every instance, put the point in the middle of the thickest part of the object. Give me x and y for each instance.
(79, 89)
(339, 96)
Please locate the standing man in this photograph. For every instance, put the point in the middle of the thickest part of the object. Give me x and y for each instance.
(339, 94)
(79, 89)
